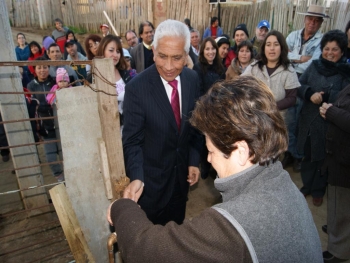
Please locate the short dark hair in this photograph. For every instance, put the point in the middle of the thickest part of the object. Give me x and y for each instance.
(213, 20)
(187, 21)
(42, 58)
(248, 44)
(243, 109)
(130, 31)
(283, 59)
(335, 35)
(217, 64)
(36, 44)
(102, 47)
(58, 20)
(53, 45)
(143, 24)
(95, 38)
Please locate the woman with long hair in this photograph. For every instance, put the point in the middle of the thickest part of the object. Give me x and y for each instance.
(209, 66)
(111, 47)
(276, 71)
(210, 70)
(91, 45)
(245, 56)
(36, 51)
(70, 36)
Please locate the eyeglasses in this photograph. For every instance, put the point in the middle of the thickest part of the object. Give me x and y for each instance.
(94, 44)
(130, 39)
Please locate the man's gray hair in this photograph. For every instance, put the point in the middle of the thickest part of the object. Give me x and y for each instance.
(195, 31)
(172, 28)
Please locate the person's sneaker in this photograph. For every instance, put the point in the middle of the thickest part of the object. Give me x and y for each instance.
(297, 165)
(287, 160)
(60, 178)
(324, 229)
(329, 258)
(5, 158)
(317, 201)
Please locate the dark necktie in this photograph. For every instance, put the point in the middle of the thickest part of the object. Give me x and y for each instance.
(175, 103)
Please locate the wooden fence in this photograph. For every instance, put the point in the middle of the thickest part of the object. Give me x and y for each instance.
(127, 14)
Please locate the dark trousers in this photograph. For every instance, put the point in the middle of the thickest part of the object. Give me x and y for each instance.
(314, 182)
(174, 211)
(3, 140)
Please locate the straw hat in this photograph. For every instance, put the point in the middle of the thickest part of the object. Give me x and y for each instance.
(315, 10)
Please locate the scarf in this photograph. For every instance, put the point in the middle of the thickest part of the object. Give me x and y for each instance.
(328, 68)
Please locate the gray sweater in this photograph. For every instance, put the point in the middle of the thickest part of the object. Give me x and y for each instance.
(271, 215)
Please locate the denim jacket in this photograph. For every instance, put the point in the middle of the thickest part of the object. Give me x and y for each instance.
(207, 32)
(312, 48)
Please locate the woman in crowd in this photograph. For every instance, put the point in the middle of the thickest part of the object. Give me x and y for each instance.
(91, 45)
(22, 54)
(44, 82)
(35, 52)
(111, 47)
(59, 30)
(223, 50)
(262, 213)
(337, 165)
(70, 36)
(210, 70)
(244, 58)
(276, 71)
(321, 82)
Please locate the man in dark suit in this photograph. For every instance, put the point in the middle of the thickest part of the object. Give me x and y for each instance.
(142, 54)
(160, 146)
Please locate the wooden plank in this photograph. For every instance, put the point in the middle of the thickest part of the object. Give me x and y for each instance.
(70, 225)
(109, 115)
(13, 107)
(80, 131)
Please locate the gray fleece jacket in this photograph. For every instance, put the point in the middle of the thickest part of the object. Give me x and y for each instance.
(271, 215)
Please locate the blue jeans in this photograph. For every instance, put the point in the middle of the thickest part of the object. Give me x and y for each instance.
(292, 118)
(52, 150)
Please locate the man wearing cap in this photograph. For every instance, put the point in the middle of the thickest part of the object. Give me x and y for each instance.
(142, 54)
(214, 30)
(240, 34)
(304, 46)
(261, 31)
(104, 29)
(74, 55)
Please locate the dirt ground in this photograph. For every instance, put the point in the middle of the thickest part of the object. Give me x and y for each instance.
(41, 239)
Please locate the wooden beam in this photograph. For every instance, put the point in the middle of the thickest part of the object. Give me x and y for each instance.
(70, 225)
(109, 117)
(13, 107)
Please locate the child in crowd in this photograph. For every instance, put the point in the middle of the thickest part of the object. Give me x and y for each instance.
(62, 81)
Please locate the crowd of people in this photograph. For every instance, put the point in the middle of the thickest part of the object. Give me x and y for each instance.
(240, 105)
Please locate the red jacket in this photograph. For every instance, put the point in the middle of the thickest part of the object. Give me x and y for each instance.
(230, 56)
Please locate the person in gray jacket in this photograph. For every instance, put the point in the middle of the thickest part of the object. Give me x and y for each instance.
(263, 217)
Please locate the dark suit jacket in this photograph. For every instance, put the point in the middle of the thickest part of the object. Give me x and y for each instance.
(138, 58)
(154, 150)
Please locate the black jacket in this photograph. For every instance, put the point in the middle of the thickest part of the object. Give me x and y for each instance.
(208, 78)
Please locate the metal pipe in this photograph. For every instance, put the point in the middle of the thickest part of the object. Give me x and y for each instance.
(26, 92)
(32, 166)
(30, 188)
(45, 63)
(30, 119)
(23, 211)
(29, 144)
(110, 243)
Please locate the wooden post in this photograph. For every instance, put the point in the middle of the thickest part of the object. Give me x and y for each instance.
(70, 225)
(13, 107)
(109, 116)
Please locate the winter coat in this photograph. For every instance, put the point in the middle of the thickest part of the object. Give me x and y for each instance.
(337, 161)
(235, 70)
(208, 78)
(44, 109)
(331, 78)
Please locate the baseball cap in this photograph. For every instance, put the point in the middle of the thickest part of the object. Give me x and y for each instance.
(104, 25)
(264, 23)
(126, 53)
